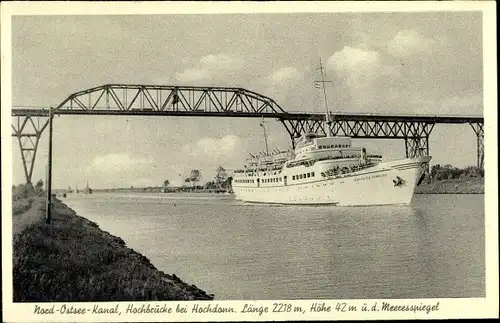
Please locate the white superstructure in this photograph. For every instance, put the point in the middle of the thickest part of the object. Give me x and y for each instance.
(327, 170)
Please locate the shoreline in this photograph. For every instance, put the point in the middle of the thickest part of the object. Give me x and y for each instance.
(72, 259)
(452, 186)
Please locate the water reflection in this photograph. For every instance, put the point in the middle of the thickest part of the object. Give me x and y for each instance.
(252, 251)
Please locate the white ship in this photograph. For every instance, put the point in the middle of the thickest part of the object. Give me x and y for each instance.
(327, 170)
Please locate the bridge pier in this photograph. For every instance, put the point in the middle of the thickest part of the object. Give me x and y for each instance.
(479, 131)
(416, 146)
(416, 136)
(28, 130)
(296, 128)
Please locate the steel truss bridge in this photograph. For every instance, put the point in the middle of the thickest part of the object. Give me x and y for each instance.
(28, 124)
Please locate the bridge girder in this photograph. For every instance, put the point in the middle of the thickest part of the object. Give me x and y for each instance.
(124, 97)
(161, 100)
(28, 130)
(415, 133)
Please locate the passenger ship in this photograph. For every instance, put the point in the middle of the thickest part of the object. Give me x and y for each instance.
(327, 170)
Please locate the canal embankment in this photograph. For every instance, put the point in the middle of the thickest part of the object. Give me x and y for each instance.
(452, 186)
(72, 259)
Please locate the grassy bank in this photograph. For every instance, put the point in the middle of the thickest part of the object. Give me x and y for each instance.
(71, 259)
(452, 186)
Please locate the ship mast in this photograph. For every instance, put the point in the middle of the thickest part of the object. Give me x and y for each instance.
(316, 84)
(265, 135)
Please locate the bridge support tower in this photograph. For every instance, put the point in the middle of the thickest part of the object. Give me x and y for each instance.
(28, 130)
(417, 139)
(479, 131)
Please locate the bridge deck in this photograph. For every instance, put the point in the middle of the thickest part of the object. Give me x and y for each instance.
(274, 115)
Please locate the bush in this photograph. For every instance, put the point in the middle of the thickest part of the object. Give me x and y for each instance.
(440, 173)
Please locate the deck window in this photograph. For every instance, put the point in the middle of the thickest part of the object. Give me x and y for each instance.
(308, 175)
(312, 174)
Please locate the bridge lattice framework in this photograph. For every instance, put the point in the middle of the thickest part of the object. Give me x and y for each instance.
(159, 100)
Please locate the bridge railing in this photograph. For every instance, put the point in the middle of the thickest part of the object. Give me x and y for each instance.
(387, 114)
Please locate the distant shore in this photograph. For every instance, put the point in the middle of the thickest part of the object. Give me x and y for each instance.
(146, 190)
(72, 259)
(452, 186)
(447, 186)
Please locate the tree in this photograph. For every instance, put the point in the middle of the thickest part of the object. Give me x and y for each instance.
(220, 177)
(165, 185)
(229, 184)
(210, 185)
(38, 187)
(194, 176)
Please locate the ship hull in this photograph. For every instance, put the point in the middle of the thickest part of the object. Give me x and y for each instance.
(390, 183)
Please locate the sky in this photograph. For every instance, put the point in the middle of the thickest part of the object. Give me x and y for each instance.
(395, 63)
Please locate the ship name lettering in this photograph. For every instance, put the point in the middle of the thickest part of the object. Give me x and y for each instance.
(369, 177)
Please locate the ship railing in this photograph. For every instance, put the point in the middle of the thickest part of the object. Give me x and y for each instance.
(311, 162)
(273, 153)
(345, 170)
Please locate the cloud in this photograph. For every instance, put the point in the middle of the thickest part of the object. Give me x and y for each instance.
(281, 84)
(351, 58)
(211, 68)
(214, 148)
(119, 162)
(467, 104)
(408, 43)
(361, 73)
(284, 77)
(360, 66)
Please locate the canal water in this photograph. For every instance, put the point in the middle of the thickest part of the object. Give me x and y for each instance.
(433, 248)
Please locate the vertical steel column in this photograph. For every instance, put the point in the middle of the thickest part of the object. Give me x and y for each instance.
(416, 146)
(48, 209)
(407, 150)
(290, 132)
(479, 131)
(417, 139)
(25, 131)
